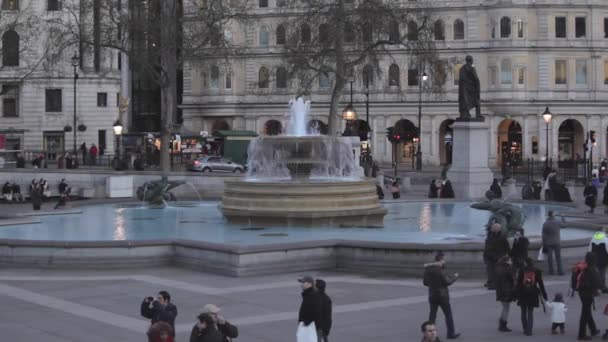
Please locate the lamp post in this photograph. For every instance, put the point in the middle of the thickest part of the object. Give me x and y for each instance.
(117, 126)
(547, 117)
(369, 127)
(75, 64)
(349, 113)
(421, 78)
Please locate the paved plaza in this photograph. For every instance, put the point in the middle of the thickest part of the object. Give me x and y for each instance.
(57, 305)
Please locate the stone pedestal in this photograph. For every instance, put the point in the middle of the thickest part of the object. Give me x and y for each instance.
(469, 174)
(119, 186)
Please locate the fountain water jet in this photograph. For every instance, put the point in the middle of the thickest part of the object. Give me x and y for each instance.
(300, 179)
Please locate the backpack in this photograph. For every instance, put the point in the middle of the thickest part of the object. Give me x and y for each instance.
(529, 280)
(576, 280)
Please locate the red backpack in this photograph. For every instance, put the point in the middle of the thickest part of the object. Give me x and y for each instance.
(576, 280)
(529, 280)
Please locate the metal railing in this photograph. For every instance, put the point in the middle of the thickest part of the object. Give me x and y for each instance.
(531, 169)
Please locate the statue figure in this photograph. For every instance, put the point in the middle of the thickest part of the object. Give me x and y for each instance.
(157, 193)
(468, 90)
(508, 215)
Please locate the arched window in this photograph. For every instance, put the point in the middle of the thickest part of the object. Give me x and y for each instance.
(215, 77)
(393, 76)
(263, 78)
(412, 30)
(281, 78)
(323, 80)
(305, 33)
(367, 32)
(280, 33)
(228, 84)
(263, 36)
(263, 3)
(273, 127)
(506, 74)
(505, 27)
(10, 48)
(458, 29)
(393, 32)
(349, 33)
(323, 33)
(368, 75)
(439, 30)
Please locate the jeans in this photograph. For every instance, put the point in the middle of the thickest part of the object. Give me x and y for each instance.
(527, 318)
(444, 303)
(554, 250)
(586, 317)
(321, 337)
(504, 314)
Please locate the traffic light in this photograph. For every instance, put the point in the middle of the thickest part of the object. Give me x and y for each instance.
(389, 134)
(592, 137)
(397, 137)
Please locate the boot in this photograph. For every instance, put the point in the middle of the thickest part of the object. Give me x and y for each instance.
(605, 336)
(502, 326)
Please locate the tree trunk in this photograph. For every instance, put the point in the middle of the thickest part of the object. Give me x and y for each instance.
(334, 111)
(168, 82)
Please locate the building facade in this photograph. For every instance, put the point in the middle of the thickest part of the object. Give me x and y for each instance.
(529, 55)
(37, 76)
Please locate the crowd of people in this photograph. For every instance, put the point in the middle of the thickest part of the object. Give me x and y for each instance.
(39, 192)
(441, 189)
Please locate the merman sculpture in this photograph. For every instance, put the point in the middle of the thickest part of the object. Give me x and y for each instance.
(510, 217)
(157, 193)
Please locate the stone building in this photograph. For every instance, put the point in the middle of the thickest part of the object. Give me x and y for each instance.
(529, 54)
(38, 78)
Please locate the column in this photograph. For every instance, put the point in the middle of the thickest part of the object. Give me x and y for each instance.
(525, 138)
(493, 141)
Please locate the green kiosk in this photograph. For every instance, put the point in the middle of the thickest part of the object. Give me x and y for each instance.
(235, 144)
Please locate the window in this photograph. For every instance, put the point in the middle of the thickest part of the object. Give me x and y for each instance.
(263, 78)
(280, 35)
(412, 77)
(367, 32)
(215, 77)
(323, 33)
(228, 80)
(580, 27)
(9, 100)
(458, 29)
(506, 74)
(492, 76)
(281, 78)
(393, 32)
(606, 72)
(581, 72)
(263, 3)
(204, 80)
(52, 100)
(263, 37)
(505, 27)
(412, 30)
(393, 76)
(368, 75)
(102, 99)
(561, 72)
(605, 27)
(349, 33)
(457, 73)
(53, 5)
(493, 33)
(305, 34)
(560, 27)
(521, 76)
(520, 29)
(439, 30)
(10, 5)
(10, 48)
(323, 80)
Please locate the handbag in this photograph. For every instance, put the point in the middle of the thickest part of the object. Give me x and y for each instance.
(306, 333)
(541, 254)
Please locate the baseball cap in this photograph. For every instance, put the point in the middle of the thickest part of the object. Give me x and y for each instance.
(306, 279)
(210, 308)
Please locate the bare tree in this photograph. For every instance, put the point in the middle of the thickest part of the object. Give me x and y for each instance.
(337, 37)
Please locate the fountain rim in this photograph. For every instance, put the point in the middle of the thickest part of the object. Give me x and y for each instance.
(301, 183)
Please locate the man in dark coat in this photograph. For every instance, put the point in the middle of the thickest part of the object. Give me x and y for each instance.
(433, 190)
(495, 188)
(437, 282)
(590, 194)
(496, 246)
(227, 330)
(159, 309)
(505, 289)
(586, 281)
(310, 308)
(551, 241)
(529, 286)
(599, 247)
(519, 250)
(205, 330)
(325, 311)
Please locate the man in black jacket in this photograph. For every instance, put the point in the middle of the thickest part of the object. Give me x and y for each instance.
(496, 247)
(519, 251)
(227, 330)
(437, 282)
(160, 309)
(310, 308)
(325, 311)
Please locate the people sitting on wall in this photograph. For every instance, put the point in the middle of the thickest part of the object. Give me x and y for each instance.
(495, 188)
(394, 189)
(379, 191)
(446, 190)
(433, 189)
(7, 192)
(16, 190)
(44, 188)
(556, 191)
(64, 194)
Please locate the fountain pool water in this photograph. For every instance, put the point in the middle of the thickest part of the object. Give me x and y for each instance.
(406, 222)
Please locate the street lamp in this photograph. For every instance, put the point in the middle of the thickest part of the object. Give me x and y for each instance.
(349, 113)
(424, 77)
(369, 127)
(547, 117)
(75, 64)
(117, 126)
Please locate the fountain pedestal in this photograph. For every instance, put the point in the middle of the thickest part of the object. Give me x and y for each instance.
(469, 173)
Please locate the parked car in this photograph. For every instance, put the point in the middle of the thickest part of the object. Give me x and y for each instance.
(212, 163)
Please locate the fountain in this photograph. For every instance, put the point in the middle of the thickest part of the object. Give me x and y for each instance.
(302, 179)
(157, 193)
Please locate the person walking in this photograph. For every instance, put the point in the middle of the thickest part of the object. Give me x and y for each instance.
(83, 151)
(529, 286)
(505, 289)
(438, 282)
(590, 193)
(429, 332)
(599, 246)
(308, 316)
(585, 280)
(558, 314)
(160, 309)
(325, 311)
(496, 246)
(519, 250)
(93, 151)
(551, 241)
